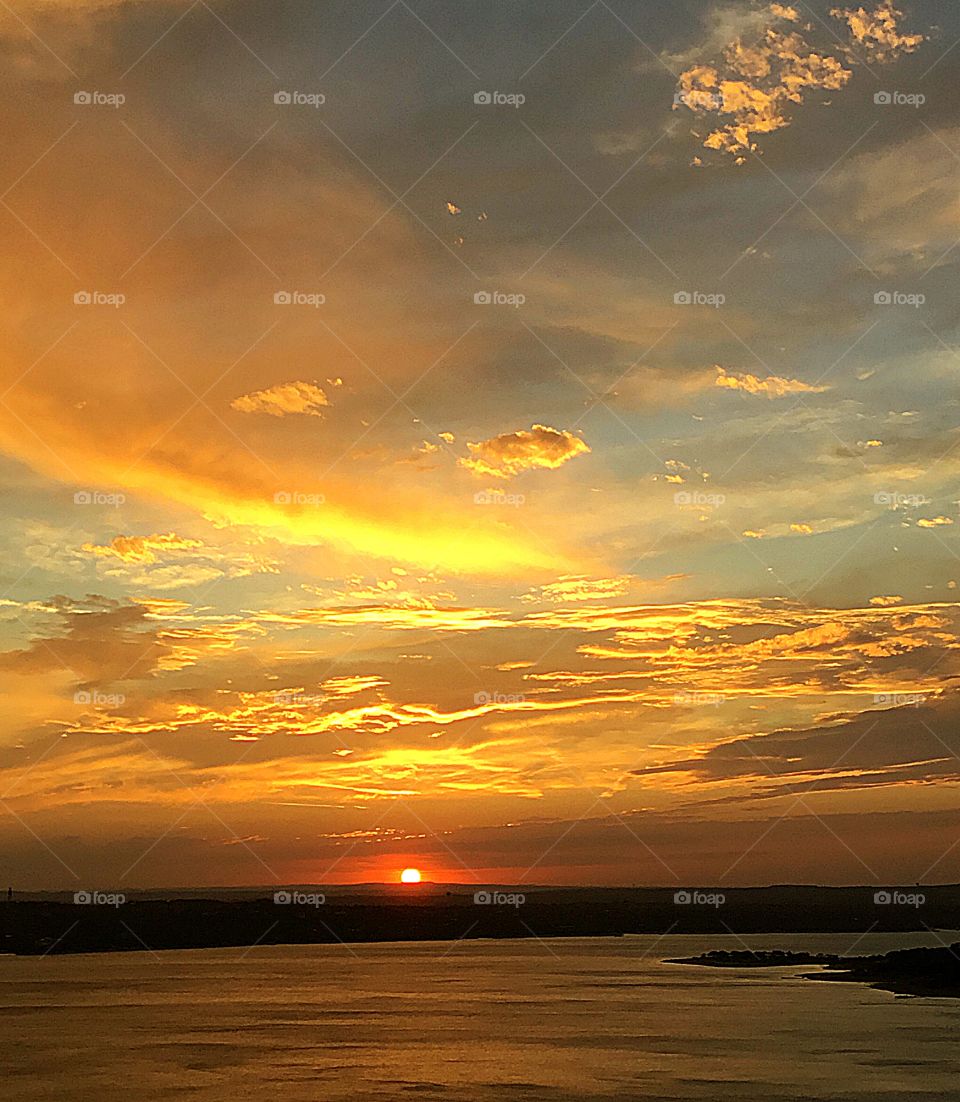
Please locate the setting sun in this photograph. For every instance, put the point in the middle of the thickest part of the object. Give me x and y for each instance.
(410, 876)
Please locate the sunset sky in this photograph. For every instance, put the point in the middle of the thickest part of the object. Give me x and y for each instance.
(514, 440)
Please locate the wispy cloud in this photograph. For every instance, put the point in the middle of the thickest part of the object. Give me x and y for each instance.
(773, 386)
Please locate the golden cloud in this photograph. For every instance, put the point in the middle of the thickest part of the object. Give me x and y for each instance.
(142, 549)
(877, 32)
(772, 386)
(512, 453)
(581, 588)
(409, 615)
(283, 399)
(751, 91)
(170, 561)
(374, 728)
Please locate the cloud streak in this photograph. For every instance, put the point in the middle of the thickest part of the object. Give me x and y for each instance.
(773, 386)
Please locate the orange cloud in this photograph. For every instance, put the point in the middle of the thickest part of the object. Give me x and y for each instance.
(772, 386)
(283, 399)
(142, 549)
(752, 90)
(512, 453)
(877, 32)
(409, 615)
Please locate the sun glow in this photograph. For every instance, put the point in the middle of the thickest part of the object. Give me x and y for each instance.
(410, 876)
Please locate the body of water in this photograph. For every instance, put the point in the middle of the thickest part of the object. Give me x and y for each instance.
(525, 1020)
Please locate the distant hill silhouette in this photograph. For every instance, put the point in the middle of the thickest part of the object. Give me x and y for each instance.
(313, 914)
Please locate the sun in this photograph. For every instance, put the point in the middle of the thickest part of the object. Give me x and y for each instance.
(410, 876)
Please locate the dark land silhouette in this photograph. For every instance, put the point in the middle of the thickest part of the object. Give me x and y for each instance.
(40, 924)
(932, 972)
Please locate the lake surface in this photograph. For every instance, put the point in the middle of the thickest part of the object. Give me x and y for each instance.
(515, 1020)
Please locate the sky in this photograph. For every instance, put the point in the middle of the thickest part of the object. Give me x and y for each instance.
(513, 440)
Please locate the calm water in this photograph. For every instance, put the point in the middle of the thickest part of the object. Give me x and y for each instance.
(592, 1019)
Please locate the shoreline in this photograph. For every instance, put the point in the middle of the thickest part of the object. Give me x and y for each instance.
(921, 972)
